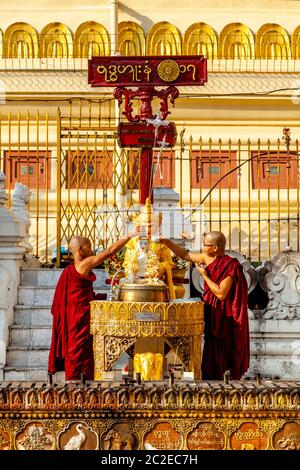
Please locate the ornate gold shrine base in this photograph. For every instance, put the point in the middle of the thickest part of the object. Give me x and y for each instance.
(117, 325)
(194, 416)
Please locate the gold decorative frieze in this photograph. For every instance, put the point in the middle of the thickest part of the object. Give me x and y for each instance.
(201, 397)
(121, 318)
(151, 416)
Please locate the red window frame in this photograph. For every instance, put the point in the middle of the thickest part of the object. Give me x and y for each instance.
(22, 167)
(84, 178)
(167, 160)
(221, 162)
(269, 179)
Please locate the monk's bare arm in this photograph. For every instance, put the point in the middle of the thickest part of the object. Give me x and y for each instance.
(88, 263)
(183, 253)
(220, 291)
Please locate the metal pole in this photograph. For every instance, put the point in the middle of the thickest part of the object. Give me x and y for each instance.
(114, 4)
(119, 164)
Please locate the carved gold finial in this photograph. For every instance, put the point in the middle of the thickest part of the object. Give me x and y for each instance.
(147, 218)
(149, 209)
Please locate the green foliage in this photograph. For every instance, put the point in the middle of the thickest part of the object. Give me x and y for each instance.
(115, 263)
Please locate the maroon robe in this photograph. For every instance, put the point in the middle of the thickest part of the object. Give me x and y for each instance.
(226, 331)
(72, 344)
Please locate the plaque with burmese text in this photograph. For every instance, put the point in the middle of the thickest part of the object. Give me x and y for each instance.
(163, 436)
(147, 316)
(206, 437)
(249, 436)
(147, 71)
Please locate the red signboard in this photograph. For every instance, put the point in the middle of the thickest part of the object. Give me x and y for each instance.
(152, 70)
(142, 135)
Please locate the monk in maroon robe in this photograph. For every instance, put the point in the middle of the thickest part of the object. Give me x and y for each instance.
(72, 344)
(226, 331)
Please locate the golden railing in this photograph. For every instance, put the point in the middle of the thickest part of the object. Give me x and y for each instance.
(98, 181)
(27, 157)
(83, 183)
(257, 204)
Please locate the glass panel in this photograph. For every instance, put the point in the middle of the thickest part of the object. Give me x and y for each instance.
(274, 170)
(213, 170)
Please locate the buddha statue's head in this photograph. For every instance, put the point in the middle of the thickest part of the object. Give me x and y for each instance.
(143, 245)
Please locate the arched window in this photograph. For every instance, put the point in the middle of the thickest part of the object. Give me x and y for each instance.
(91, 39)
(236, 42)
(21, 41)
(272, 42)
(163, 39)
(131, 39)
(201, 39)
(296, 43)
(1, 44)
(56, 41)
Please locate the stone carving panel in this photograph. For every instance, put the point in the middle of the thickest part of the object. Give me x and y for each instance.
(280, 278)
(35, 436)
(108, 399)
(5, 440)
(7, 283)
(206, 437)
(21, 196)
(48, 398)
(78, 436)
(119, 437)
(249, 271)
(288, 437)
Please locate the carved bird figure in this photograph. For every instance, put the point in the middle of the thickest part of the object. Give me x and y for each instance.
(157, 122)
(149, 446)
(75, 442)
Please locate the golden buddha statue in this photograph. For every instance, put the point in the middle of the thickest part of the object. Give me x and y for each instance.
(150, 261)
(149, 365)
(146, 259)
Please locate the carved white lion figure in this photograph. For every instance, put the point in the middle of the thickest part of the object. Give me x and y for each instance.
(6, 282)
(3, 194)
(280, 278)
(21, 196)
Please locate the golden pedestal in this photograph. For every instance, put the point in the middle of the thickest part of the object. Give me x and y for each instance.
(117, 325)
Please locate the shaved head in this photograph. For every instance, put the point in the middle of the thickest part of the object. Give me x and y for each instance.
(216, 238)
(77, 242)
